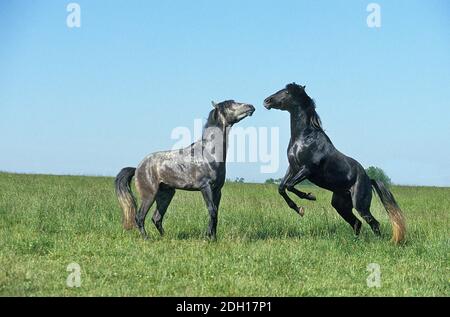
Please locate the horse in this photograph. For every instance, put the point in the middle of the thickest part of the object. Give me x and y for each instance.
(312, 156)
(198, 167)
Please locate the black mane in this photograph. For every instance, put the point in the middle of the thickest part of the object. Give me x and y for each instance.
(313, 116)
(307, 103)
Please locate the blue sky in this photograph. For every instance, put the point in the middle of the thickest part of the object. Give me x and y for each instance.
(95, 99)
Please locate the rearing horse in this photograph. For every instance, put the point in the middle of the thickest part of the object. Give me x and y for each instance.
(199, 167)
(312, 156)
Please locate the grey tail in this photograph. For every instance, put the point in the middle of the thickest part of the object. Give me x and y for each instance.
(125, 197)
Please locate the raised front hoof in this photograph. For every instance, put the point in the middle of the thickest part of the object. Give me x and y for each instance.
(301, 211)
(310, 196)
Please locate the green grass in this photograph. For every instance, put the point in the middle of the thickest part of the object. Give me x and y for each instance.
(263, 247)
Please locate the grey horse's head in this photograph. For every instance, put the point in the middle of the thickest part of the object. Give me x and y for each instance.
(285, 99)
(231, 112)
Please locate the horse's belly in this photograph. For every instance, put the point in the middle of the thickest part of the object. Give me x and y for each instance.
(332, 178)
(191, 177)
(323, 183)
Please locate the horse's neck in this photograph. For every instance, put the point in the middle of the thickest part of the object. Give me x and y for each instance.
(215, 142)
(299, 123)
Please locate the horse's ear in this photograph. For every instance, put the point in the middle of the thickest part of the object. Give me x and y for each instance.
(214, 104)
(304, 87)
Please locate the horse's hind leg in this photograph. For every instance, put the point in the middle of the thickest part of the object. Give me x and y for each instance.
(370, 219)
(361, 197)
(343, 205)
(163, 199)
(146, 204)
(148, 195)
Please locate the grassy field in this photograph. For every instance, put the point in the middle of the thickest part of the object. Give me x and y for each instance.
(263, 248)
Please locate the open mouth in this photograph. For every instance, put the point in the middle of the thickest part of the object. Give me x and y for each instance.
(250, 111)
(245, 114)
(268, 104)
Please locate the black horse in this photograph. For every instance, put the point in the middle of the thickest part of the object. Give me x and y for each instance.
(312, 156)
(199, 167)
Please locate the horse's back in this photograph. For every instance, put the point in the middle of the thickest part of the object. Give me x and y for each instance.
(179, 169)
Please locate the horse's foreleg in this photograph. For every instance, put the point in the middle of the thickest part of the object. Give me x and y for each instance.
(296, 178)
(300, 194)
(211, 201)
(282, 191)
(299, 177)
(290, 202)
(217, 195)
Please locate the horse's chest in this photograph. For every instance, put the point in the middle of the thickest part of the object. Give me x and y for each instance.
(297, 155)
(216, 176)
(301, 153)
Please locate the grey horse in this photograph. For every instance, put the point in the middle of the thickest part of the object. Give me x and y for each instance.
(198, 167)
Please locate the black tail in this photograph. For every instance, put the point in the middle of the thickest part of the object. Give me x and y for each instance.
(125, 197)
(393, 210)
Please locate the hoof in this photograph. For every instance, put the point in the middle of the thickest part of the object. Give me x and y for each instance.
(301, 211)
(310, 196)
(357, 228)
(211, 236)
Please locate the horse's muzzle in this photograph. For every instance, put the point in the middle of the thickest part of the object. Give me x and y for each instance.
(267, 103)
(251, 111)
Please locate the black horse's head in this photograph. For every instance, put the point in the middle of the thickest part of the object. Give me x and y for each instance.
(230, 112)
(292, 96)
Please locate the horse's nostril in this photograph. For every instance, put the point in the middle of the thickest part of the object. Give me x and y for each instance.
(268, 100)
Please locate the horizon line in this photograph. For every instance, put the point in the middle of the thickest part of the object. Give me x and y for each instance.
(227, 180)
